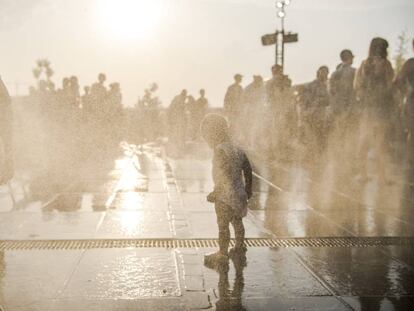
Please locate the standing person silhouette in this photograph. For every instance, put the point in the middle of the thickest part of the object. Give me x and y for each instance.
(404, 82)
(341, 85)
(201, 105)
(177, 119)
(315, 100)
(373, 86)
(6, 149)
(98, 94)
(233, 101)
(232, 176)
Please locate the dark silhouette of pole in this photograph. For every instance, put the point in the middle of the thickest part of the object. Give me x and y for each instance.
(280, 59)
(280, 37)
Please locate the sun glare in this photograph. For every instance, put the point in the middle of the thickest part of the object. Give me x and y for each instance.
(131, 19)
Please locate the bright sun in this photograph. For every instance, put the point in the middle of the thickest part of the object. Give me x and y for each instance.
(130, 19)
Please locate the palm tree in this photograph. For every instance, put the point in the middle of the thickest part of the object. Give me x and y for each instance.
(43, 69)
(401, 50)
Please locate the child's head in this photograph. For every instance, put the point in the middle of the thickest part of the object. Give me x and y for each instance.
(214, 129)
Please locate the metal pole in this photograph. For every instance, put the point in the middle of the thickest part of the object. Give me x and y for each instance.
(277, 47)
(283, 44)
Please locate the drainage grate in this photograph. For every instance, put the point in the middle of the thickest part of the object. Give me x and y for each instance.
(193, 243)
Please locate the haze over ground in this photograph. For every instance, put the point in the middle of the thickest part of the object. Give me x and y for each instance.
(186, 43)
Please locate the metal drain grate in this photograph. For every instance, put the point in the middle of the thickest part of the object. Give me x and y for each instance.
(193, 243)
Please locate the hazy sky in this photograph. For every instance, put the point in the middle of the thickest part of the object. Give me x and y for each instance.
(186, 43)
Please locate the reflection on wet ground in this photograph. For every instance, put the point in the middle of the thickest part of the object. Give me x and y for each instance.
(146, 193)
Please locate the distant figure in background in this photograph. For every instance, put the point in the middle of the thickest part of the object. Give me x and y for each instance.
(86, 98)
(63, 93)
(314, 100)
(254, 96)
(114, 97)
(233, 100)
(278, 93)
(6, 135)
(74, 95)
(232, 176)
(341, 85)
(197, 113)
(113, 111)
(149, 119)
(276, 87)
(404, 82)
(189, 111)
(254, 100)
(177, 119)
(373, 81)
(373, 86)
(98, 93)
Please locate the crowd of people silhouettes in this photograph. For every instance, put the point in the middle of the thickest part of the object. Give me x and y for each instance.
(371, 106)
(368, 107)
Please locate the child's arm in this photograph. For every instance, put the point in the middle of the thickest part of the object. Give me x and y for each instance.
(248, 176)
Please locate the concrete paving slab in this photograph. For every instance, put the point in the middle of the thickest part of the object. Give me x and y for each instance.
(37, 305)
(381, 303)
(124, 274)
(402, 253)
(360, 271)
(193, 283)
(270, 272)
(81, 202)
(191, 258)
(28, 279)
(26, 204)
(95, 185)
(131, 201)
(7, 201)
(369, 223)
(156, 186)
(197, 301)
(196, 202)
(195, 185)
(302, 304)
(276, 200)
(48, 225)
(161, 304)
(193, 269)
(299, 224)
(135, 224)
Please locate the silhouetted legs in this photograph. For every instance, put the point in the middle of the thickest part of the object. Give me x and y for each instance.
(225, 216)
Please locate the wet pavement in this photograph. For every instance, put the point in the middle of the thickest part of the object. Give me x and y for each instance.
(148, 193)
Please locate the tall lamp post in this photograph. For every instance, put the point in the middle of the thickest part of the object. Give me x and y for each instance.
(280, 48)
(280, 37)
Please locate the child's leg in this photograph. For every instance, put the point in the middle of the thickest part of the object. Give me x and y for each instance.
(223, 213)
(239, 231)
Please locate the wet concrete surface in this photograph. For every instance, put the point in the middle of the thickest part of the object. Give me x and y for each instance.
(147, 192)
